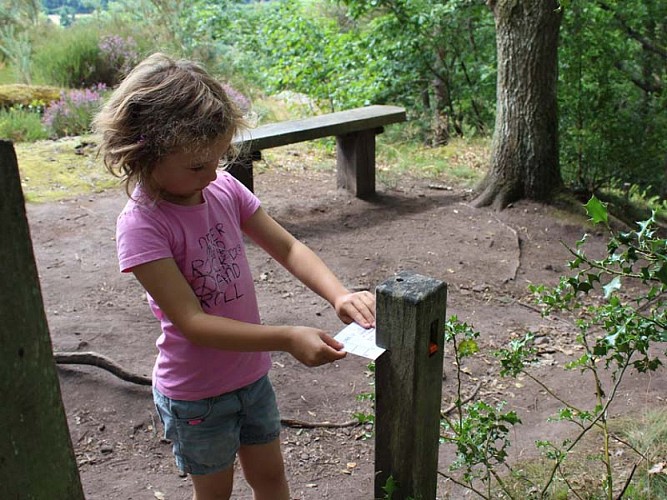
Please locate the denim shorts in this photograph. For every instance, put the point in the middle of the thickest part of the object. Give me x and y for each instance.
(207, 434)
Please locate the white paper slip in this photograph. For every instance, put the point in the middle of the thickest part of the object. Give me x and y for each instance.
(359, 341)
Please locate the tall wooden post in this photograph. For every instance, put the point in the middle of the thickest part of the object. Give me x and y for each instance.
(408, 384)
(36, 455)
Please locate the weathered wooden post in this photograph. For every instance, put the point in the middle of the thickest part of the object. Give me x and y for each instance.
(408, 384)
(36, 455)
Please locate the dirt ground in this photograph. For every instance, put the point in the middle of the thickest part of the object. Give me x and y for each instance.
(486, 258)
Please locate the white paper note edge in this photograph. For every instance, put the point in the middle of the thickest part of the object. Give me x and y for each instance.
(359, 341)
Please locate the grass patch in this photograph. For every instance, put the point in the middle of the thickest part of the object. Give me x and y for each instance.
(461, 163)
(648, 434)
(66, 168)
(584, 471)
(21, 124)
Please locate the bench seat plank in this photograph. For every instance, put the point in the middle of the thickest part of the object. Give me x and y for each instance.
(333, 124)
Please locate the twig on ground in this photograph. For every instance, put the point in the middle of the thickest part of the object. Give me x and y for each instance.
(302, 424)
(95, 359)
(451, 407)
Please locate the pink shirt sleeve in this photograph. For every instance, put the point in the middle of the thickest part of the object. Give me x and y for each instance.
(140, 238)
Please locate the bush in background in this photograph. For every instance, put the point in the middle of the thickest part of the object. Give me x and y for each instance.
(22, 123)
(73, 112)
(83, 55)
(72, 61)
(120, 55)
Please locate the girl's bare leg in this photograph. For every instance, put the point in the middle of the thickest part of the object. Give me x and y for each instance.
(216, 486)
(264, 470)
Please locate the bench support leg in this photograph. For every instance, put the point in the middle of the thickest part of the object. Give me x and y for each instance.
(241, 168)
(355, 161)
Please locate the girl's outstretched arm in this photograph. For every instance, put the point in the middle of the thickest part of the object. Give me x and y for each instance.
(166, 284)
(303, 263)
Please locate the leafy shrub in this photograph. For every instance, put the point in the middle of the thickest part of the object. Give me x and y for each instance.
(73, 112)
(22, 123)
(70, 60)
(120, 55)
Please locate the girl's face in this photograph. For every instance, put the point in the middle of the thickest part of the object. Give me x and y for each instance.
(182, 175)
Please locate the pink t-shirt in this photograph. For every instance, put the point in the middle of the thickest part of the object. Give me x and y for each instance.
(207, 244)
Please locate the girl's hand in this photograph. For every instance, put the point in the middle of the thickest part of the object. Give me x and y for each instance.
(358, 307)
(314, 347)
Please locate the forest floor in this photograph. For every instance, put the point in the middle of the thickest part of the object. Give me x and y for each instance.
(487, 259)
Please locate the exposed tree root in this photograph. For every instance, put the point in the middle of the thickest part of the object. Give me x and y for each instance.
(518, 249)
(518, 246)
(496, 194)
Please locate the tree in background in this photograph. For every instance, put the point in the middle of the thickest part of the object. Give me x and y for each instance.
(613, 103)
(524, 151)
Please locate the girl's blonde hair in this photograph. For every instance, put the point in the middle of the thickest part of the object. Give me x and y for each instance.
(162, 105)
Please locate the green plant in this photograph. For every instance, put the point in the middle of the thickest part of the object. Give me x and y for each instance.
(479, 431)
(69, 57)
(22, 123)
(616, 334)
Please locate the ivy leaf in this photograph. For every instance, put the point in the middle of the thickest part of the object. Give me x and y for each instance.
(612, 286)
(597, 211)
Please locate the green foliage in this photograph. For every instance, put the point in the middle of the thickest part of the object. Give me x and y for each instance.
(621, 317)
(71, 62)
(22, 124)
(307, 53)
(437, 58)
(479, 431)
(612, 98)
(17, 18)
(649, 434)
(390, 487)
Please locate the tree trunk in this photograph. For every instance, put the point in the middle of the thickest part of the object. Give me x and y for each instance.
(36, 455)
(442, 100)
(524, 151)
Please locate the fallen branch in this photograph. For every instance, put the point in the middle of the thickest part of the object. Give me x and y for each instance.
(95, 359)
(302, 424)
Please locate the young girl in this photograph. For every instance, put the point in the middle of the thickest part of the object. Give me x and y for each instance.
(165, 130)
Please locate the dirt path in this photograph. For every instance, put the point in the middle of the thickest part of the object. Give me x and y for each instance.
(487, 259)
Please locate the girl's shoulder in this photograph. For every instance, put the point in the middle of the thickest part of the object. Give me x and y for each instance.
(227, 181)
(230, 185)
(231, 192)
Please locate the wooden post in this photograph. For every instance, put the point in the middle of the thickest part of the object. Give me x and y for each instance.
(408, 384)
(36, 455)
(355, 162)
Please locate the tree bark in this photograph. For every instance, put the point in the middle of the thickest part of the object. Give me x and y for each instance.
(524, 152)
(36, 455)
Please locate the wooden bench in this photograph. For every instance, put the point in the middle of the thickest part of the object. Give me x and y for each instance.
(354, 129)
